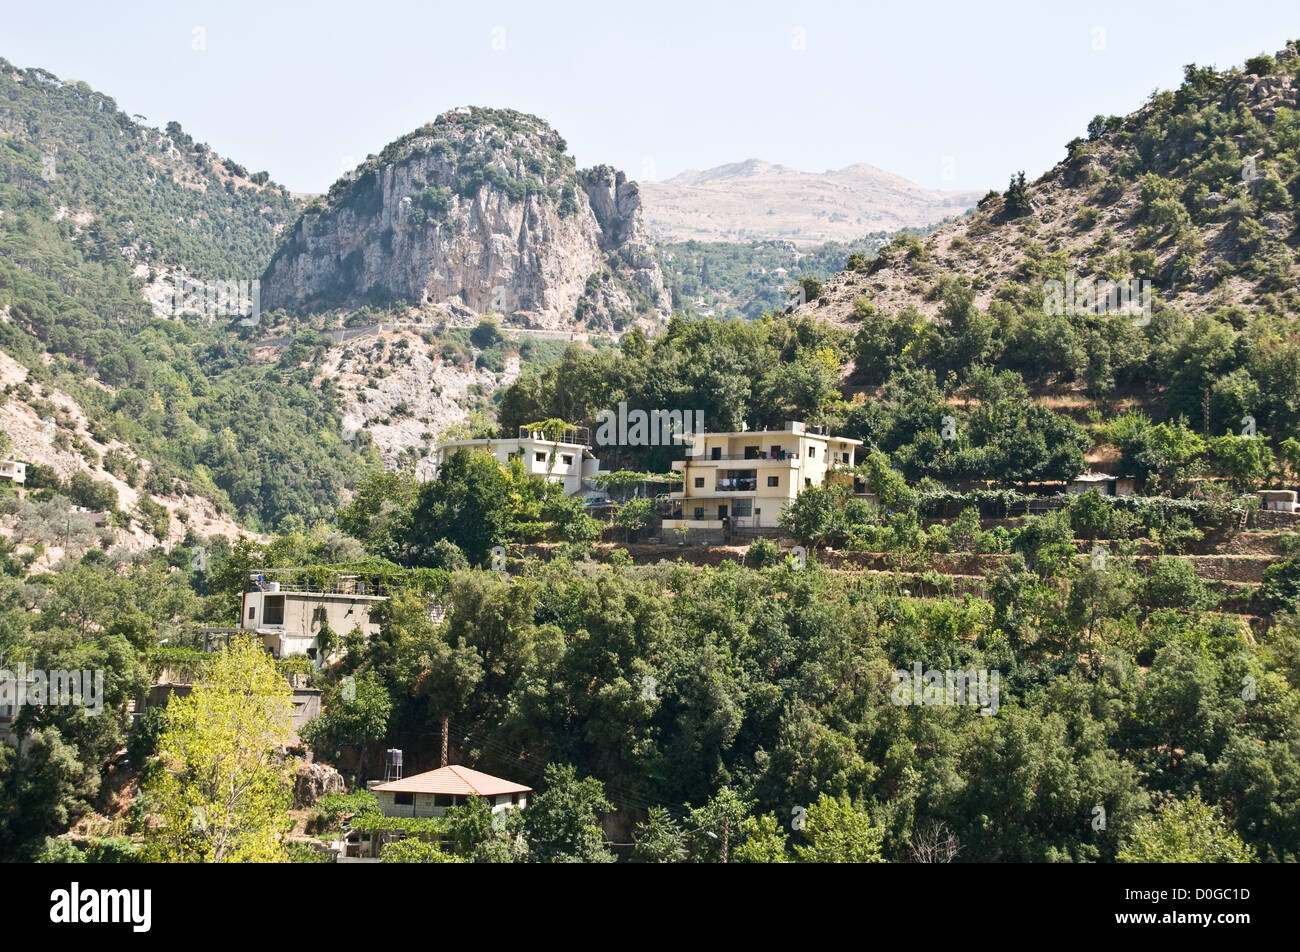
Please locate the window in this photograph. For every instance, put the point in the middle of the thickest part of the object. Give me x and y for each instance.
(567, 459)
(252, 612)
(807, 482)
(742, 507)
(774, 480)
(540, 457)
(846, 457)
(404, 799)
(716, 452)
(812, 452)
(699, 512)
(442, 799)
(699, 482)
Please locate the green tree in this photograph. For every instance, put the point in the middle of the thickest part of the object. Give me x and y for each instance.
(563, 823)
(224, 787)
(813, 516)
(714, 828)
(838, 833)
(467, 504)
(762, 840)
(1186, 831)
(355, 712)
(1016, 197)
(659, 839)
(1245, 461)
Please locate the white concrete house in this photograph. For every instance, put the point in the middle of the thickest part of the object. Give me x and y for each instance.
(289, 617)
(13, 470)
(568, 461)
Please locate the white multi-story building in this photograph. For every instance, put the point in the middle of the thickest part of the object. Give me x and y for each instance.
(569, 461)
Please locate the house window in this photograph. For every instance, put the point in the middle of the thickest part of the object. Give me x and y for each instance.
(567, 459)
(404, 799)
(699, 482)
(774, 480)
(812, 452)
(716, 452)
(252, 611)
(540, 457)
(846, 457)
(699, 512)
(742, 507)
(442, 799)
(807, 482)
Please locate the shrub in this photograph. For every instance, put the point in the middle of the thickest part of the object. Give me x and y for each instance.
(763, 552)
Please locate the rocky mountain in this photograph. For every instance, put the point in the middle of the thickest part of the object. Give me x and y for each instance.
(481, 209)
(758, 201)
(1195, 193)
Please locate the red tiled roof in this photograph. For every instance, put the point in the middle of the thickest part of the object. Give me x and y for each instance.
(453, 780)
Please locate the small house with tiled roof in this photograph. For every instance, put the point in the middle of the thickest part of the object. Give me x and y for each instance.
(429, 794)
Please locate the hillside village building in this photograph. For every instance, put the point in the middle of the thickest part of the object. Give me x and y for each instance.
(13, 471)
(429, 794)
(289, 619)
(569, 461)
(743, 479)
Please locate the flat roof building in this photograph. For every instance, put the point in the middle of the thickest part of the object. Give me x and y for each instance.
(744, 478)
(569, 461)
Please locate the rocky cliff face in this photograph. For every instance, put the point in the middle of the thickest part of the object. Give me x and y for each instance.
(480, 209)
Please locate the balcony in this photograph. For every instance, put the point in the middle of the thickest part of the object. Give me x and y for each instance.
(725, 485)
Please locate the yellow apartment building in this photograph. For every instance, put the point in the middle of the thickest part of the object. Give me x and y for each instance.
(743, 479)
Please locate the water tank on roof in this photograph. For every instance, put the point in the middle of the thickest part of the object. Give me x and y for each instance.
(392, 764)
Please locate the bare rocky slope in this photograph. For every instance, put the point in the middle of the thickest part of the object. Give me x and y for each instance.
(482, 209)
(758, 201)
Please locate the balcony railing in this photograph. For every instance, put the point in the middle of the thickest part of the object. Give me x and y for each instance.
(765, 457)
(573, 434)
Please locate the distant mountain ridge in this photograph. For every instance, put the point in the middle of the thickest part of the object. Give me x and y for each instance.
(755, 200)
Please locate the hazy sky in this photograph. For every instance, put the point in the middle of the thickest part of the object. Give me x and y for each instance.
(949, 94)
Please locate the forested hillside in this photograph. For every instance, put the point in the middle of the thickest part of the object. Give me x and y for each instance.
(1134, 659)
(93, 205)
(750, 279)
